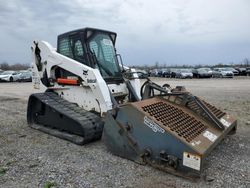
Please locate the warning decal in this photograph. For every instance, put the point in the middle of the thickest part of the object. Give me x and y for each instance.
(191, 160)
(210, 136)
(224, 122)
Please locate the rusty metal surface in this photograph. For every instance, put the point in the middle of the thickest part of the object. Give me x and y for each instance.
(171, 133)
(175, 119)
(217, 112)
(187, 125)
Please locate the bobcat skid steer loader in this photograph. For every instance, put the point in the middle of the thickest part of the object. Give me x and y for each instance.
(86, 92)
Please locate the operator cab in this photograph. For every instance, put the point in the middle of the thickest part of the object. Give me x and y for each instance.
(94, 48)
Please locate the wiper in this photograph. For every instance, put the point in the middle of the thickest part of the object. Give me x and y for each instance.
(94, 58)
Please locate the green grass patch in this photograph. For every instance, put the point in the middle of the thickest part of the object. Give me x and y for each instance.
(3, 171)
(50, 184)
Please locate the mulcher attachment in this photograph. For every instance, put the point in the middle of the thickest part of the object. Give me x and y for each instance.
(50, 113)
(173, 133)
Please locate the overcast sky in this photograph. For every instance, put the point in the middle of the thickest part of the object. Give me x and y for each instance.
(168, 31)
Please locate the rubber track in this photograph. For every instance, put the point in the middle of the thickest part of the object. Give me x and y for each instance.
(90, 122)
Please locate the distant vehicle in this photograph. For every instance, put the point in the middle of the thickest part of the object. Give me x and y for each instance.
(163, 73)
(9, 76)
(222, 73)
(202, 73)
(166, 73)
(24, 76)
(154, 73)
(159, 73)
(248, 71)
(242, 71)
(236, 73)
(172, 72)
(184, 73)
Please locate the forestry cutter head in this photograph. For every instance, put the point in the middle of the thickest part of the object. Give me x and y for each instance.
(173, 133)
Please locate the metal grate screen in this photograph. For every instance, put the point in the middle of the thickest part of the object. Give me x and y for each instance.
(176, 120)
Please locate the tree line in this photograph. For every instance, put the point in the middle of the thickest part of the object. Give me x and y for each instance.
(17, 66)
(244, 63)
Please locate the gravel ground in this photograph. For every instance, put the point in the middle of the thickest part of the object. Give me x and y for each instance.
(29, 158)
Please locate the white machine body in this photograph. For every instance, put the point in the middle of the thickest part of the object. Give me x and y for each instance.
(93, 93)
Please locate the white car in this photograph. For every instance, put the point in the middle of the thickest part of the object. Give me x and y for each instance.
(24, 76)
(184, 73)
(222, 73)
(9, 76)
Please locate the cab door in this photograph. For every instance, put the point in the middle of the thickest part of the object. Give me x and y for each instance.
(78, 50)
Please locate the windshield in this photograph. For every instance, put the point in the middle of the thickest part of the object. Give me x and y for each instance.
(102, 46)
(185, 71)
(202, 70)
(205, 69)
(173, 70)
(229, 69)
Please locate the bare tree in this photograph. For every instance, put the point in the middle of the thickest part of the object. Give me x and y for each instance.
(17, 66)
(4, 66)
(246, 62)
(156, 65)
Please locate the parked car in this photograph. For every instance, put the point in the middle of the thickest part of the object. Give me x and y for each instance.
(202, 73)
(9, 76)
(154, 73)
(236, 73)
(248, 71)
(166, 73)
(159, 73)
(24, 76)
(172, 72)
(162, 73)
(184, 73)
(241, 70)
(222, 73)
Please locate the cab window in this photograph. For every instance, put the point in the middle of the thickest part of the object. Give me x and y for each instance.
(78, 48)
(79, 54)
(65, 47)
(103, 48)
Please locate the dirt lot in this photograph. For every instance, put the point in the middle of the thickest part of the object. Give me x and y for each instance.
(29, 158)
